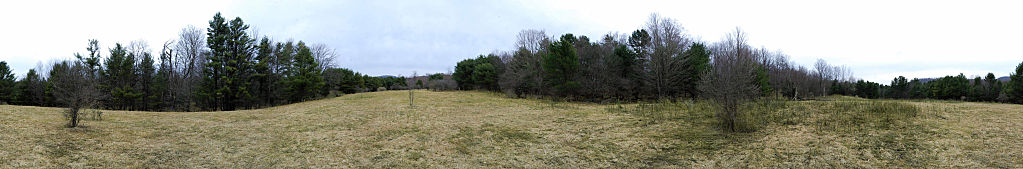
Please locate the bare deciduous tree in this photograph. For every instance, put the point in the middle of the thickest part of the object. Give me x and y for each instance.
(531, 39)
(74, 87)
(138, 48)
(731, 81)
(189, 58)
(324, 55)
(524, 72)
(192, 51)
(668, 41)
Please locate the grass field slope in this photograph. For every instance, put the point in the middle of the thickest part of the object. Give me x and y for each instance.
(479, 129)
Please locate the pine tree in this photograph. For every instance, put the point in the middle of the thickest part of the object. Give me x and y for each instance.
(146, 82)
(561, 65)
(229, 67)
(695, 63)
(119, 79)
(304, 79)
(31, 90)
(7, 82)
(993, 86)
(264, 79)
(1014, 90)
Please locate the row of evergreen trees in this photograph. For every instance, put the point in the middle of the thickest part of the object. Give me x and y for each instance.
(959, 87)
(229, 71)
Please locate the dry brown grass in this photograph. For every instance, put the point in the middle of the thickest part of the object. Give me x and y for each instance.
(477, 129)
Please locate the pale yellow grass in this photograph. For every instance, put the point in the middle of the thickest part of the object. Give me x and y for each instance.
(478, 129)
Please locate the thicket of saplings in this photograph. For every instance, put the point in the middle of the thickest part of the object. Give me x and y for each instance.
(660, 61)
(222, 68)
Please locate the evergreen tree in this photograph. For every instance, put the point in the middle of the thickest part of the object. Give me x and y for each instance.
(348, 81)
(762, 80)
(695, 63)
(899, 88)
(993, 86)
(229, 66)
(304, 79)
(976, 89)
(561, 65)
(93, 60)
(264, 80)
(31, 90)
(7, 83)
(119, 79)
(639, 41)
(146, 82)
(917, 89)
(626, 69)
(1014, 90)
(463, 74)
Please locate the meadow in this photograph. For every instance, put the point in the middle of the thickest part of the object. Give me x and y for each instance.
(467, 129)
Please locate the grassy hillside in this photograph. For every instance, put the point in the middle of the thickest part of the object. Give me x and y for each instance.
(467, 129)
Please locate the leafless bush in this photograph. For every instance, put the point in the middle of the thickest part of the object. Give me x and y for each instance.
(74, 87)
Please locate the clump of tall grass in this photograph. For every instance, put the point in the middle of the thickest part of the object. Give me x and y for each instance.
(879, 114)
(665, 110)
(830, 115)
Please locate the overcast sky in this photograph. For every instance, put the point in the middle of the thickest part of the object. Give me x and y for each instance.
(877, 39)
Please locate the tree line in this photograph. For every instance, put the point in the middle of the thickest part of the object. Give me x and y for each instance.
(959, 87)
(658, 61)
(221, 68)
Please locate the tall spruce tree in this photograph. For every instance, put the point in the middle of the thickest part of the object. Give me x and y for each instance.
(226, 75)
(264, 80)
(119, 79)
(146, 83)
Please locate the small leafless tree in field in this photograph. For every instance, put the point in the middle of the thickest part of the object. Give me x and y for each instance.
(731, 81)
(74, 87)
(411, 89)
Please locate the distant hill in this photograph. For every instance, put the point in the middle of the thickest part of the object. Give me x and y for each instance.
(925, 80)
(387, 76)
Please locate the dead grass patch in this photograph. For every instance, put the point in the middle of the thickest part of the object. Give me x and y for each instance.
(481, 129)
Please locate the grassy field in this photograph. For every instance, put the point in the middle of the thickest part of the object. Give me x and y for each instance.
(472, 129)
